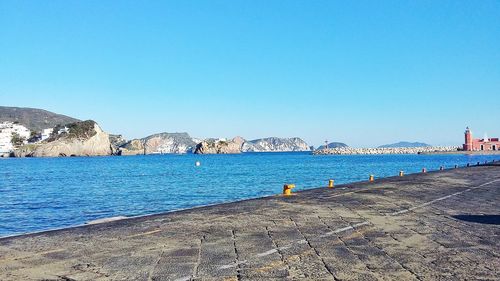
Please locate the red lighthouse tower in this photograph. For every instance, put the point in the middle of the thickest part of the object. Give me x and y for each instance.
(468, 140)
(480, 144)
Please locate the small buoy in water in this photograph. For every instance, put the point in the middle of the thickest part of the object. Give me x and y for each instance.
(197, 164)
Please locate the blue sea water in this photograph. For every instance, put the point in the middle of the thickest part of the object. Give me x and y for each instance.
(45, 193)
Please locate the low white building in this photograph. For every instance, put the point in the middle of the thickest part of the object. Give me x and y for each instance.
(7, 129)
(63, 130)
(46, 133)
(5, 142)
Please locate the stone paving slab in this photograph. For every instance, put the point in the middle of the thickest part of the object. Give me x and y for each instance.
(436, 226)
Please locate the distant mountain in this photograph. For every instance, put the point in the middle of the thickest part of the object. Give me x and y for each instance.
(34, 119)
(405, 144)
(334, 145)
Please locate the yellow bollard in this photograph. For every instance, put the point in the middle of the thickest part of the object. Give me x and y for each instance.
(371, 177)
(330, 184)
(401, 173)
(424, 170)
(287, 189)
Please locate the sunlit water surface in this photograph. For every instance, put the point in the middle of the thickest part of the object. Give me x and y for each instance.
(45, 193)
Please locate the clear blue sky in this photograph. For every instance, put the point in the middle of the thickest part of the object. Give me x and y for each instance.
(361, 72)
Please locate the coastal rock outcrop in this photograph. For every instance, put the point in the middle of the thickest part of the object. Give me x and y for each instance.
(116, 141)
(133, 147)
(219, 146)
(274, 144)
(84, 138)
(161, 143)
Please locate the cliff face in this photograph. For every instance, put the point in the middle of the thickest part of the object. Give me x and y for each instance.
(212, 146)
(275, 145)
(238, 145)
(159, 143)
(169, 143)
(82, 139)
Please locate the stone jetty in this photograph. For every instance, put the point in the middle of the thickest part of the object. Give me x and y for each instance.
(441, 225)
(385, 150)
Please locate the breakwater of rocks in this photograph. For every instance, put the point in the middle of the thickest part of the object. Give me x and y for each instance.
(386, 150)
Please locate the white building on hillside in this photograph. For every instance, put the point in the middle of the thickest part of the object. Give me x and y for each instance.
(46, 133)
(63, 130)
(7, 129)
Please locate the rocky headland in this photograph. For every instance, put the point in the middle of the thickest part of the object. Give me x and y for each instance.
(84, 138)
(387, 150)
(219, 146)
(274, 144)
(162, 143)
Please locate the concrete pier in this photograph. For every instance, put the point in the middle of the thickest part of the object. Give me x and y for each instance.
(442, 225)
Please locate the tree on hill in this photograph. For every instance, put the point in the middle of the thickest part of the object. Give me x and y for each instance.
(17, 140)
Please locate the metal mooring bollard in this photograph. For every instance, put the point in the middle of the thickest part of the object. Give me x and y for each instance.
(441, 168)
(371, 178)
(401, 173)
(330, 183)
(424, 170)
(287, 189)
(456, 166)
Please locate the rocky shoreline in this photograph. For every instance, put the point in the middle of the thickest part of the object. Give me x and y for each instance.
(86, 138)
(386, 150)
(72, 137)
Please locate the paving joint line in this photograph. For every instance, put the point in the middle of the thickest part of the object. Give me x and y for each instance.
(441, 198)
(355, 226)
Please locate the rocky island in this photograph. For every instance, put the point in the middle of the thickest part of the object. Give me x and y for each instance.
(332, 145)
